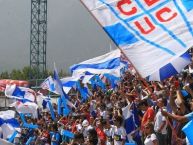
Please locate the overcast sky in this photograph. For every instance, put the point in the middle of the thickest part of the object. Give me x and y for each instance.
(73, 34)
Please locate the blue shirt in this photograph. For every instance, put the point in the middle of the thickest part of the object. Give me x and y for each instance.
(189, 116)
(56, 136)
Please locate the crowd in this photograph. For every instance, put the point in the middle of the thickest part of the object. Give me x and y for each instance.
(159, 110)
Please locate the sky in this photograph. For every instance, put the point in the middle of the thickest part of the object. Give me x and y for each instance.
(73, 34)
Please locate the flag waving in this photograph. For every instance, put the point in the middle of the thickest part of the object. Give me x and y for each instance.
(152, 33)
(21, 93)
(59, 89)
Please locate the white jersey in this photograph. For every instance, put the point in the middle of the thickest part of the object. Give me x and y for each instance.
(149, 139)
(159, 119)
(108, 133)
(118, 135)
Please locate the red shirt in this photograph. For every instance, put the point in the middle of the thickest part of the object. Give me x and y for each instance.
(74, 127)
(147, 117)
(101, 135)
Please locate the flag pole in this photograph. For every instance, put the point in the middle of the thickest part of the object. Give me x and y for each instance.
(137, 72)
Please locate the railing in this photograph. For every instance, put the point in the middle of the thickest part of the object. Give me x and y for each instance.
(5, 102)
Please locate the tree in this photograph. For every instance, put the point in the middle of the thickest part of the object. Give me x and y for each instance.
(26, 73)
(4, 75)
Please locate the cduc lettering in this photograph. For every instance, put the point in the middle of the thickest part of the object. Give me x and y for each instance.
(163, 15)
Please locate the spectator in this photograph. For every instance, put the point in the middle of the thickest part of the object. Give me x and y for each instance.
(118, 131)
(150, 138)
(160, 124)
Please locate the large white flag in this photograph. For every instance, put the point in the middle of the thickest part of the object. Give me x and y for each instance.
(108, 63)
(8, 123)
(5, 142)
(21, 93)
(26, 107)
(154, 34)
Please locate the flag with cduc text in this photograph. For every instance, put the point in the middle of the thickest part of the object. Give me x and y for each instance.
(154, 34)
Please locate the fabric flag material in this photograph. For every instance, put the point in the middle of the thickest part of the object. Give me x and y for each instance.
(131, 122)
(26, 107)
(48, 84)
(21, 93)
(172, 68)
(44, 101)
(152, 33)
(86, 79)
(68, 83)
(68, 134)
(11, 139)
(5, 142)
(18, 83)
(8, 123)
(64, 96)
(83, 91)
(98, 65)
(187, 129)
(51, 110)
(59, 103)
(99, 82)
(25, 124)
(112, 79)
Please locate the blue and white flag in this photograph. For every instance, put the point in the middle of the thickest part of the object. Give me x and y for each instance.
(48, 84)
(112, 79)
(68, 83)
(106, 63)
(21, 93)
(26, 108)
(152, 33)
(86, 79)
(83, 91)
(59, 88)
(8, 123)
(47, 104)
(130, 119)
(5, 142)
(172, 68)
(187, 129)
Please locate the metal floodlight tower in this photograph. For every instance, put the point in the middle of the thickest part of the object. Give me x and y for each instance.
(38, 38)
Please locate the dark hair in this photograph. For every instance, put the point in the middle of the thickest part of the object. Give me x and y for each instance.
(119, 119)
(164, 100)
(103, 122)
(93, 138)
(143, 103)
(150, 125)
(78, 135)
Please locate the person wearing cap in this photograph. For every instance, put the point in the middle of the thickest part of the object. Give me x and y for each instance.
(78, 126)
(86, 127)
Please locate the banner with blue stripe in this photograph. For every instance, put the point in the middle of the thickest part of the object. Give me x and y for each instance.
(152, 33)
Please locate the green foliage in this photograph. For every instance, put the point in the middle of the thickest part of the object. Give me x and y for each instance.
(25, 74)
(4, 75)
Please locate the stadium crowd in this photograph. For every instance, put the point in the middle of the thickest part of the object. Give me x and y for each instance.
(136, 112)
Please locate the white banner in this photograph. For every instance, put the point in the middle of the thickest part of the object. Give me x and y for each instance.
(152, 33)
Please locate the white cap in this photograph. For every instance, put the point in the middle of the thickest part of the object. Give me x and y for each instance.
(79, 127)
(85, 123)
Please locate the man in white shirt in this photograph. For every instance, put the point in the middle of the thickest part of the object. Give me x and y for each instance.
(160, 124)
(118, 132)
